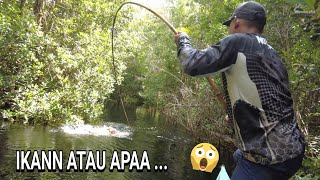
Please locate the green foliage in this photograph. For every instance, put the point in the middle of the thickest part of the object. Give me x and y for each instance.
(310, 169)
(55, 65)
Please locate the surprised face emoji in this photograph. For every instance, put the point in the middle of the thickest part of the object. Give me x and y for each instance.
(204, 157)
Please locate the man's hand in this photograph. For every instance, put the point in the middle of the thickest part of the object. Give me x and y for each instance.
(178, 36)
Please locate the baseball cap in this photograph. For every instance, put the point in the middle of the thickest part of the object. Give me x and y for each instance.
(251, 11)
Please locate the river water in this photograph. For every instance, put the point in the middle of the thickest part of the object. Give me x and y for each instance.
(165, 144)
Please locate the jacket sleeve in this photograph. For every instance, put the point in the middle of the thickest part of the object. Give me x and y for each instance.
(216, 58)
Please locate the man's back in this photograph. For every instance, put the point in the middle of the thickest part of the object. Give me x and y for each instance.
(259, 101)
(256, 91)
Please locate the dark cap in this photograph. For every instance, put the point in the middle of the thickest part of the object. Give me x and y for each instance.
(251, 11)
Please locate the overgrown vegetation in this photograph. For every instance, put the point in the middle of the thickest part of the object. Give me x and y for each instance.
(56, 67)
(55, 60)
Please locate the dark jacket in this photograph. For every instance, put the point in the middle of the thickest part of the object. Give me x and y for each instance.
(256, 90)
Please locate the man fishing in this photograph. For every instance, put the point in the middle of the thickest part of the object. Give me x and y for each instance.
(259, 104)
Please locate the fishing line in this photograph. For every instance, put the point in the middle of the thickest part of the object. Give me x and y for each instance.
(211, 82)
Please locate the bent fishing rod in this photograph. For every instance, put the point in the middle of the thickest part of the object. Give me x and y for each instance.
(211, 82)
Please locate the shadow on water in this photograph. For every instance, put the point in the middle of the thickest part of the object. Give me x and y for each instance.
(165, 145)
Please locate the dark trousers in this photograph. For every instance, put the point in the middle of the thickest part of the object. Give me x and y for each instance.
(246, 169)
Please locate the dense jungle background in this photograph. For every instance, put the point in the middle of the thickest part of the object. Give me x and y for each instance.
(56, 62)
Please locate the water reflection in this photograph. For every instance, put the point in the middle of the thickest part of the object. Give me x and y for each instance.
(166, 145)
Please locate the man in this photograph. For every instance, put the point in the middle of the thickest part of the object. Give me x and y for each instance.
(259, 104)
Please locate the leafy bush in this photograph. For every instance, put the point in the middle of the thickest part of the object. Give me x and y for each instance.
(55, 61)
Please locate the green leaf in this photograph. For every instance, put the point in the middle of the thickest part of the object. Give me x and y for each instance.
(311, 3)
(297, 1)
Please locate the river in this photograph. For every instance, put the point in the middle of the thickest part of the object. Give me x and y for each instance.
(165, 145)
